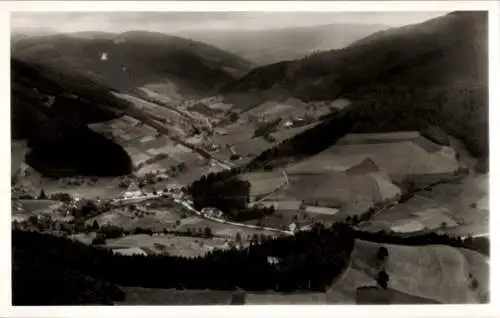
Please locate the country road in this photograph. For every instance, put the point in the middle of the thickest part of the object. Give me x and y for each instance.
(188, 206)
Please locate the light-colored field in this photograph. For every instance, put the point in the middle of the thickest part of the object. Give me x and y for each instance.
(284, 134)
(233, 137)
(321, 210)
(155, 109)
(173, 245)
(435, 272)
(454, 205)
(154, 219)
(83, 237)
(221, 229)
(38, 206)
(352, 193)
(264, 182)
(417, 275)
(166, 91)
(398, 158)
(252, 147)
(156, 296)
(142, 143)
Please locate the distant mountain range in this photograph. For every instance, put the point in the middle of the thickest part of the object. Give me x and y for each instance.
(438, 51)
(271, 46)
(134, 59)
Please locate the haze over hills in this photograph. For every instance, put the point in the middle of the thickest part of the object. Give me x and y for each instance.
(134, 59)
(274, 45)
(444, 58)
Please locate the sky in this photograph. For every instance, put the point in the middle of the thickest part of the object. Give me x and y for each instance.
(173, 22)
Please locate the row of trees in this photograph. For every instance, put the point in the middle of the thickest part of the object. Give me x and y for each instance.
(479, 244)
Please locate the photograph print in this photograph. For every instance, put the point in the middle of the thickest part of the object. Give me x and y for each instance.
(249, 158)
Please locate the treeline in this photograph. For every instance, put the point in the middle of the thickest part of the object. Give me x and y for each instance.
(307, 261)
(77, 151)
(479, 244)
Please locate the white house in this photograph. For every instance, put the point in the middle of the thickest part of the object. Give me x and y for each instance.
(133, 191)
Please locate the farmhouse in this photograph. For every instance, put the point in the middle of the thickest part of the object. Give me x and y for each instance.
(133, 191)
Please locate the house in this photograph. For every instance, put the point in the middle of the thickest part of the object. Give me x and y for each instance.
(133, 191)
(272, 260)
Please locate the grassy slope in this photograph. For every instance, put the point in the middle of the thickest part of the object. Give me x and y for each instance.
(433, 273)
(149, 296)
(418, 275)
(148, 57)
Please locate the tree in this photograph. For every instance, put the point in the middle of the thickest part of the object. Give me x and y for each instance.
(383, 279)
(99, 239)
(382, 253)
(42, 195)
(474, 284)
(208, 232)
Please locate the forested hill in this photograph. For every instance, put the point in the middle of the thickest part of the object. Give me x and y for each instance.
(434, 72)
(440, 51)
(50, 108)
(134, 59)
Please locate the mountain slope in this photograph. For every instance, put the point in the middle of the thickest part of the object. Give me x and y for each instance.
(411, 77)
(271, 46)
(134, 59)
(50, 109)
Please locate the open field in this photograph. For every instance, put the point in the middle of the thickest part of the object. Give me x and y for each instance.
(152, 108)
(399, 154)
(99, 187)
(171, 244)
(124, 218)
(277, 109)
(284, 134)
(154, 296)
(263, 183)
(435, 272)
(417, 275)
(252, 147)
(351, 194)
(221, 229)
(38, 206)
(143, 144)
(453, 208)
(166, 91)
